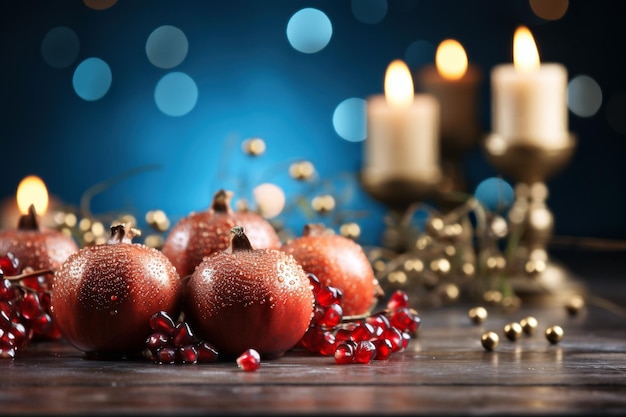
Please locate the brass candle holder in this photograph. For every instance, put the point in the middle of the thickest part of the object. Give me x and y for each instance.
(398, 194)
(533, 275)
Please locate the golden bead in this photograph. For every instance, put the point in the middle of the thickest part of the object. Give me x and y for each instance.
(489, 340)
(477, 314)
(157, 219)
(323, 204)
(575, 304)
(492, 296)
(529, 324)
(254, 146)
(154, 241)
(513, 331)
(350, 230)
(554, 334)
(450, 292)
(302, 170)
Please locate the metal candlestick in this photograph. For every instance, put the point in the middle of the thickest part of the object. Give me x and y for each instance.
(398, 193)
(533, 275)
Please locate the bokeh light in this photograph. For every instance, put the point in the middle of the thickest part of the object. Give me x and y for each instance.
(99, 4)
(495, 194)
(176, 94)
(60, 47)
(167, 47)
(349, 119)
(270, 199)
(584, 96)
(369, 11)
(549, 9)
(419, 53)
(92, 79)
(309, 30)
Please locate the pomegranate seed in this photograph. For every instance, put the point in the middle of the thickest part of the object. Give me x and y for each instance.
(166, 355)
(345, 351)
(7, 339)
(328, 295)
(30, 307)
(324, 343)
(397, 300)
(363, 331)
(7, 352)
(405, 319)
(207, 353)
(332, 316)
(378, 320)
(183, 335)
(9, 264)
(365, 352)
(406, 338)
(161, 321)
(395, 337)
(315, 283)
(343, 334)
(187, 354)
(41, 324)
(7, 291)
(157, 340)
(21, 333)
(384, 349)
(249, 361)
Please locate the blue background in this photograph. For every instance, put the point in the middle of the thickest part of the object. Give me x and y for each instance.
(253, 83)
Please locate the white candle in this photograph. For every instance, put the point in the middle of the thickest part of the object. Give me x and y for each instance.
(454, 81)
(529, 99)
(402, 131)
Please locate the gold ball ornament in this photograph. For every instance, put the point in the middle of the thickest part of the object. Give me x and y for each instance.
(575, 305)
(254, 146)
(554, 334)
(477, 314)
(513, 331)
(323, 204)
(529, 324)
(303, 170)
(490, 340)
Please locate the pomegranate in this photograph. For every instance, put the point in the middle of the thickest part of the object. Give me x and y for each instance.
(35, 246)
(339, 262)
(201, 233)
(249, 298)
(104, 295)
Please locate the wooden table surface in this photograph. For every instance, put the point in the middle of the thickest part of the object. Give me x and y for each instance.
(445, 370)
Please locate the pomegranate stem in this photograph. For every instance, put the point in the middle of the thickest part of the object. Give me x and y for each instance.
(221, 201)
(240, 241)
(29, 221)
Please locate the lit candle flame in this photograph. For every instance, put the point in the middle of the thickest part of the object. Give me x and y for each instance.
(399, 90)
(525, 54)
(32, 190)
(451, 59)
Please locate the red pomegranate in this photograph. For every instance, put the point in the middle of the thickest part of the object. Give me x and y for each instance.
(104, 295)
(249, 299)
(339, 262)
(201, 233)
(34, 246)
